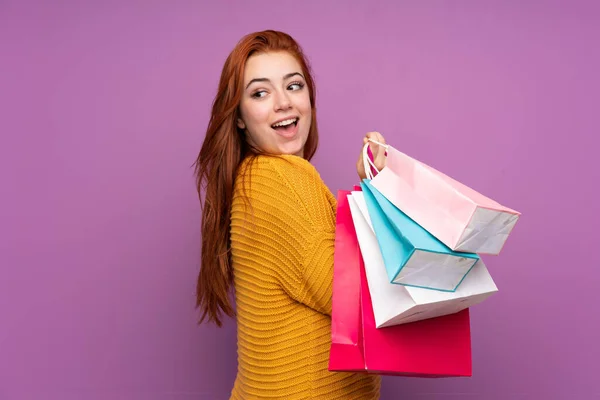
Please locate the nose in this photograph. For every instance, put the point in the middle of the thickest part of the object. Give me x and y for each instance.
(282, 101)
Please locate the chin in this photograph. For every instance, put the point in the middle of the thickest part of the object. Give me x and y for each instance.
(293, 148)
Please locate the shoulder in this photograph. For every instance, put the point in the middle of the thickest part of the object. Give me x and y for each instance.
(283, 172)
(286, 178)
(286, 166)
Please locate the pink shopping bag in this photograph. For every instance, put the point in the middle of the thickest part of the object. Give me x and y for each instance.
(436, 347)
(458, 216)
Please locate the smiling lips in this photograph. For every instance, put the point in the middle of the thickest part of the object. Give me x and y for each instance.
(287, 128)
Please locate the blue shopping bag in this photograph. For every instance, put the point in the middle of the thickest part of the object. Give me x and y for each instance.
(413, 256)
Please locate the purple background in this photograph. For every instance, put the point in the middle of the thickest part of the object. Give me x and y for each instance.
(102, 111)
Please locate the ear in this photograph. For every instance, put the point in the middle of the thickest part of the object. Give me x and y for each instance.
(241, 124)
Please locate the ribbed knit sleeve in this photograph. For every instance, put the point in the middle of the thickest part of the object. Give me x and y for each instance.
(292, 216)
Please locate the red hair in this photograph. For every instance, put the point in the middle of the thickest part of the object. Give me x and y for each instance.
(217, 164)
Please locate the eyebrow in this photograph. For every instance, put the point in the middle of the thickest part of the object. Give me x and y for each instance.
(288, 76)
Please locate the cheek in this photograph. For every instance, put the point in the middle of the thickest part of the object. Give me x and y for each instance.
(305, 107)
(254, 113)
(259, 112)
(256, 116)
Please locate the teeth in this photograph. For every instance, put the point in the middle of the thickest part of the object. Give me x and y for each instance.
(286, 122)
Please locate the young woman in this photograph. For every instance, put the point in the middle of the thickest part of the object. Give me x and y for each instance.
(268, 225)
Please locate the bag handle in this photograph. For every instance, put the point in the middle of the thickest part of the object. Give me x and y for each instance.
(367, 161)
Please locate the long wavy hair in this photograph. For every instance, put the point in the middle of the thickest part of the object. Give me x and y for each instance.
(217, 165)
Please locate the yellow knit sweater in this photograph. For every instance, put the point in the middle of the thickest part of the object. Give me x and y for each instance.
(282, 249)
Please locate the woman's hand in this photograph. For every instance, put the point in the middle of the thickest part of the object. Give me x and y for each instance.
(378, 151)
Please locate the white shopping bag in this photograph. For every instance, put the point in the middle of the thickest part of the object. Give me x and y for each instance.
(398, 304)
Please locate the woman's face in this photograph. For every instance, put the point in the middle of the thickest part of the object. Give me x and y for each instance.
(275, 109)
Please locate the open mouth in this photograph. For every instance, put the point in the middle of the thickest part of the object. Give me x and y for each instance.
(286, 126)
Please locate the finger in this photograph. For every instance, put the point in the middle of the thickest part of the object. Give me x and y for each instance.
(377, 136)
(372, 135)
(378, 152)
(372, 146)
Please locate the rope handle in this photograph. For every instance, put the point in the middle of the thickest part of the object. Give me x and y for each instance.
(367, 160)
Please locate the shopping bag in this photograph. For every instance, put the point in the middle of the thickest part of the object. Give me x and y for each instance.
(397, 304)
(436, 347)
(412, 256)
(459, 216)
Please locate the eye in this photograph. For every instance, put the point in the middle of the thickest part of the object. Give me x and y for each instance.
(259, 94)
(295, 86)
